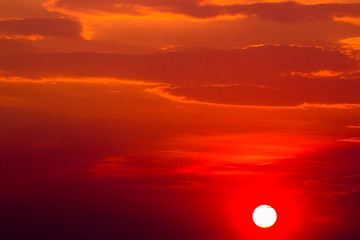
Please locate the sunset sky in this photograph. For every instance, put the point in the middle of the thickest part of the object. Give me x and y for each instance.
(175, 119)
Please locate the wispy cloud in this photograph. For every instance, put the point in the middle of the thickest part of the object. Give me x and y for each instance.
(351, 140)
(336, 180)
(342, 194)
(353, 126)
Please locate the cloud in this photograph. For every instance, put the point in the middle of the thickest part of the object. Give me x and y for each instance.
(342, 194)
(353, 126)
(352, 20)
(351, 43)
(254, 76)
(295, 12)
(351, 179)
(46, 27)
(230, 98)
(293, 93)
(11, 46)
(275, 11)
(25, 9)
(351, 140)
(250, 65)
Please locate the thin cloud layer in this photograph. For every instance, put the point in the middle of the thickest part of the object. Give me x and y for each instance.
(291, 92)
(46, 27)
(184, 68)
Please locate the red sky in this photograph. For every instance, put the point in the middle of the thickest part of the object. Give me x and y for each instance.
(175, 119)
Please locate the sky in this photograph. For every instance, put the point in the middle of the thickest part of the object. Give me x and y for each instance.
(175, 119)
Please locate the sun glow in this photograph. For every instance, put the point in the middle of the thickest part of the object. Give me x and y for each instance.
(264, 216)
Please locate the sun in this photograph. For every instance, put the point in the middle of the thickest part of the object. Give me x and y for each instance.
(264, 216)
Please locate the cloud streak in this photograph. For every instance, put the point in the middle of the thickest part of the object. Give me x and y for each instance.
(289, 12)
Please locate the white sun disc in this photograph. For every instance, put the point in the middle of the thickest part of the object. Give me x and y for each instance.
(264, 216)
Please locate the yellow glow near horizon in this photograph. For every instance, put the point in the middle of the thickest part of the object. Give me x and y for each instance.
(264, 216)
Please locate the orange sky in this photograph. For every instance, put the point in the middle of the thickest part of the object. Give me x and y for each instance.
(175, 119)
